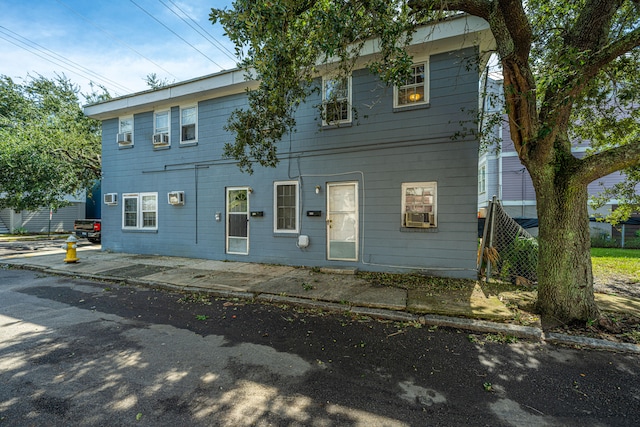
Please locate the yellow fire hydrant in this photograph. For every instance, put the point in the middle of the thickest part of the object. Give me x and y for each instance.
(71, 247)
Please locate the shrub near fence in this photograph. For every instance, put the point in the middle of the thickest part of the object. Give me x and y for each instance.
(508, 251)
(604, 240)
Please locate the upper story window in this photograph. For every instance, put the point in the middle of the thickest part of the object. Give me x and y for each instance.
(415, 91)
(189, 124)
(419, 208)
(285, 204)
(125, 131)
(336, 100)
(482, 179)
(140, 211)
(161, 128)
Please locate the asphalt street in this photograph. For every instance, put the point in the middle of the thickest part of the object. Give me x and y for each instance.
(78, 352)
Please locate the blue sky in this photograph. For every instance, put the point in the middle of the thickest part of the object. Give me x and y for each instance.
(113, 43)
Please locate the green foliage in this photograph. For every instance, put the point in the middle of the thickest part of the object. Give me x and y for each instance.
(633, 243)
(626, 195)
(603, 240)
(502, 338)
(48, 148)
(519, 258)
(20, 231)
(283, 44)
(154, 82)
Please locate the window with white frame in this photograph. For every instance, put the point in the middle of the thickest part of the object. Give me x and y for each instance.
(482, 179)
(140, 211)
(125, 130)
(415, 90)
(336, 100)
(161, 127)
(285, 194)
(189, 124)
(419, 208)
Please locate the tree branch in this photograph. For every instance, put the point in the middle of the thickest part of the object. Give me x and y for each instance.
(480, 8)
(609, 161)
(610, 52)
(592, 26)
(589, 35)
(512, 13)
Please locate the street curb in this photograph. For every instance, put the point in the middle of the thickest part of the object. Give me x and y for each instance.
(303, 302)
(525, 332)
(594, 343)
(396, 316)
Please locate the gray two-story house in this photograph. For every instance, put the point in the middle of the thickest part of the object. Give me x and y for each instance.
(390, 184)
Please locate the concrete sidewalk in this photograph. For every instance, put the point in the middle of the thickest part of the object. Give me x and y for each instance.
(326, 289)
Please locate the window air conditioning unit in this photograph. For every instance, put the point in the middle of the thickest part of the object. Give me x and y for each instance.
(125, 138)
(176, 198)
(111, 199)
(417, 220)
(161, 138)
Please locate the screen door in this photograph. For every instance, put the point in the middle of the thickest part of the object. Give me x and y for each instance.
(342, 221)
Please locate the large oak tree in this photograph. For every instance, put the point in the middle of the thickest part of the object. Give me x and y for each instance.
(48, 147)
(571, 71)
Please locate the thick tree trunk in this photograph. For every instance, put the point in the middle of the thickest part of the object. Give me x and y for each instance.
(565, 278)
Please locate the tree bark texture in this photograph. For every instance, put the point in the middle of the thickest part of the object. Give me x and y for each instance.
(565, 278)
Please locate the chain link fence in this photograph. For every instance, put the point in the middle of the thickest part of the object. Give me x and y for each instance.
(507, 252)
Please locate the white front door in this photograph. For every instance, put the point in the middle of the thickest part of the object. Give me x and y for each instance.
(238, 220)
(342, 221)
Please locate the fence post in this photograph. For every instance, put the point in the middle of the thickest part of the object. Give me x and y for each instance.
(483, 241)
(492, 222)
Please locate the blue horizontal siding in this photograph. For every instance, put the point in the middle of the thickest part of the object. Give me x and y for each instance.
(380, 150)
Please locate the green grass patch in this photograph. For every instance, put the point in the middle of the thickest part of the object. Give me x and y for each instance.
(616, 261)
(614, 253)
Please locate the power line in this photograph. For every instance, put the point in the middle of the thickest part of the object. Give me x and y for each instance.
(118, 40)
(176, 34)
(55, 58)
(204, 32)
(61, 63)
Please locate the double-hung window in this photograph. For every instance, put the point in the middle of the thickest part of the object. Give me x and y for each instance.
(285, 194)
(140, 211)
(189, 124)
(161, 127)
(482, 179)
(419, 208)
(415, 90)
(336, 100)
(125, 131)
